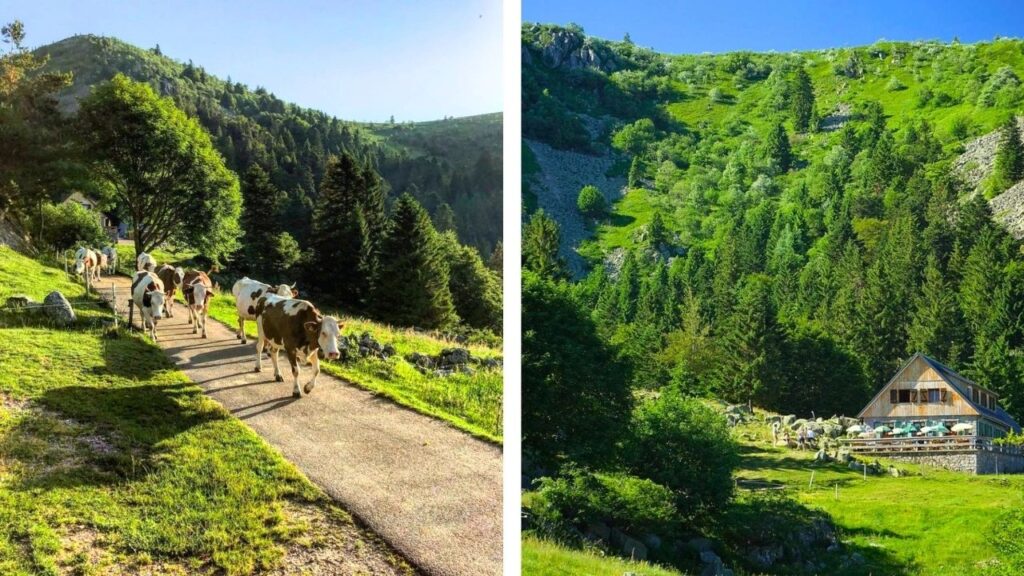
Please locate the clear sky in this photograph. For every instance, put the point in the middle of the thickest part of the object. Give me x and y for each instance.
(358, 60)
(726, 25)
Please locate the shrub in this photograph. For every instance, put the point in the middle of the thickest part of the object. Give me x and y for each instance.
(685, 445)
(68, 225)
(894, 85)
(590, 201)
(579, 497)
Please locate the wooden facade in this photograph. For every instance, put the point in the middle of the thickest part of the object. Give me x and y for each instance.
(925, 392)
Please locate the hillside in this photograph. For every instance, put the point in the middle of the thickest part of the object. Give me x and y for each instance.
(456, 161)
(782, 231)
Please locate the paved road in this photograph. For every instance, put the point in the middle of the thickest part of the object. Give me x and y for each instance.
(431, 491)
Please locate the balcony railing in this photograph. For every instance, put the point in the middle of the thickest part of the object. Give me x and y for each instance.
(927, 444)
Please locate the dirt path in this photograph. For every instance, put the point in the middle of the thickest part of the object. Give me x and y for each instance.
(431, 491)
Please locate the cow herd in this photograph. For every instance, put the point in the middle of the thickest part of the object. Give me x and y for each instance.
(283, 322)
(91, 264)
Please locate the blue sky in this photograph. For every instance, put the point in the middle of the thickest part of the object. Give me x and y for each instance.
(359, 60)
(727, 25)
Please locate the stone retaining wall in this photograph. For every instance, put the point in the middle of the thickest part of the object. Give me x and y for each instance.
(975, 462)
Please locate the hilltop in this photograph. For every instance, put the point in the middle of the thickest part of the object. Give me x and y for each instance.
(452, 161)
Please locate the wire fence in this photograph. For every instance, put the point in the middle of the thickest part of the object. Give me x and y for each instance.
(109, 299)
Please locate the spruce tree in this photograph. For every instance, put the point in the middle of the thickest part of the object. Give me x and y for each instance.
(801, 100)
(262, 203)
(777, 148)
(750, 345)
(1009, 163)
(338, 234)
(444, 218)
(541, 238)
(475, 289)
(412, 287)
(937, 324)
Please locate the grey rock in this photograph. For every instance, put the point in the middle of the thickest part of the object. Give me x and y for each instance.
(58, 308)
(20, 301)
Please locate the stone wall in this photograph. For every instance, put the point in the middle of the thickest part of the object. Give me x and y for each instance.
(974, 462)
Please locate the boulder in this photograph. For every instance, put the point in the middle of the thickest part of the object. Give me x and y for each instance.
(20, 301)
(58, 308)
(388, 351)
(788, 419)
(599, 531)
(454, 356)
(629, 546)
(699, 544)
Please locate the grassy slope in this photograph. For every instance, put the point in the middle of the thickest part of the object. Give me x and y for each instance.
(932, 522)
(543, 558)
(693, 109)
(110, 456)
(471, 402)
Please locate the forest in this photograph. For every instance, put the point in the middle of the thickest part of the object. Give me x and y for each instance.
(792, 227)
(377, 220)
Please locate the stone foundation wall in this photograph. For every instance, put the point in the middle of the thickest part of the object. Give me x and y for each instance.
(974, 462)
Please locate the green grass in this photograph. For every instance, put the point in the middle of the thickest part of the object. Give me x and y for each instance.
(110, 456)
(931, 522)
(544, 558)
(470, 402)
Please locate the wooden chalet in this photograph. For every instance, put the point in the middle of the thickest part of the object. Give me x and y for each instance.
(926, 393)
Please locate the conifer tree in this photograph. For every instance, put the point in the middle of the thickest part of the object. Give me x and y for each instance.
(777, 148)
(412, 287)
(1009, 163)
(936, 327)
(541, 237)
(801, 101)
(338, 233)
(751, 344)
(475, 289)
(444, 218)
(497, 259)
(262, 203)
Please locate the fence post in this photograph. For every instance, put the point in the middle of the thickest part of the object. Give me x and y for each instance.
(113, 304)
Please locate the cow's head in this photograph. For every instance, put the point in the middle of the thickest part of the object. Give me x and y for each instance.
(154, 300)
(326, 332)
(199, 295)
(286, 291)
(179, 273)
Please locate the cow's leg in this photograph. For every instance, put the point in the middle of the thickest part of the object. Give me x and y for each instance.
(293, 359)
(259, 350)
(274, 353)
(314, 359)
(241, 329)
(203, 314)
(195, 323)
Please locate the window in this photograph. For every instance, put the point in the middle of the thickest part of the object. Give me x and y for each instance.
(984, 399)
(933, 395)
(974, 395)
(904, 396)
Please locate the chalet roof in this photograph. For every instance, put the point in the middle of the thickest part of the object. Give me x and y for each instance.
(958, 383)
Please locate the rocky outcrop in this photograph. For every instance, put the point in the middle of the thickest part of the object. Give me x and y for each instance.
(572, 50)
(978, 157)
(561, 177)
(1008, 210)
(449, 361)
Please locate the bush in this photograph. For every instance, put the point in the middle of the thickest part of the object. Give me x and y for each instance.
(590, 201)
(894, 85)
(578, 497)
(684, 445)
(68, 225)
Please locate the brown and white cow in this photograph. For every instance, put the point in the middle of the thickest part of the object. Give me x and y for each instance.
(198, 289)
(86, 264)
(247, 292)
(111, 253)
(148, 295)
(297, 327)
(145, 262)
(172, 278)
(101, 263)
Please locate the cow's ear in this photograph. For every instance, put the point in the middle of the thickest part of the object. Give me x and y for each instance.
(295, 293)
(312, 326)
